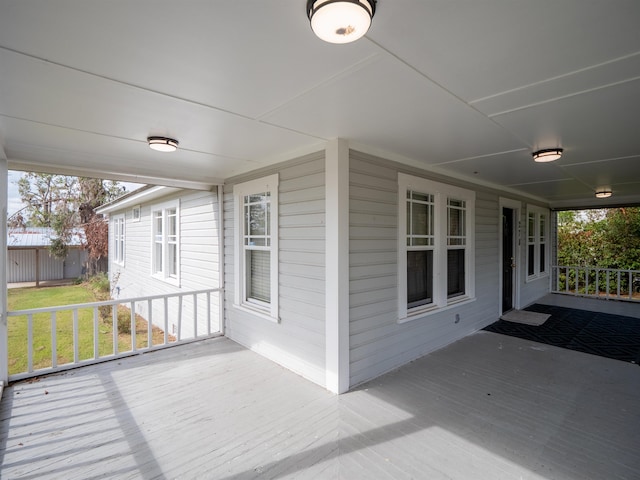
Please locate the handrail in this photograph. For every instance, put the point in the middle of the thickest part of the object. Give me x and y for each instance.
(596, 282)
(15, 313)
(118, 315)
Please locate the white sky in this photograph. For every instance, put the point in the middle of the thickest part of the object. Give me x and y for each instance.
(13, 197)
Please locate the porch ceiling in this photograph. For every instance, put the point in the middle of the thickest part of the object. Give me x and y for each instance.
(467, 88)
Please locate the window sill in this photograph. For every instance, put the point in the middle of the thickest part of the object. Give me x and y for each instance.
(258, 312)
(459, 301)
(170, 280)
(533, 278)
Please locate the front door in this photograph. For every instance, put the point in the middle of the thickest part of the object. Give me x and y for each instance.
(508, 260)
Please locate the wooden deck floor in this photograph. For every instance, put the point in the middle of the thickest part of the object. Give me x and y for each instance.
(486, 407)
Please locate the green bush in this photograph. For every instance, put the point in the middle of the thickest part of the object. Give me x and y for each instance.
(100, 283)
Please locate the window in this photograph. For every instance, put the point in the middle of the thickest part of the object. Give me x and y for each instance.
(436, 257)
(165, 254)
(256, 207)
(537, 242)
(117, 255)
(135, 213)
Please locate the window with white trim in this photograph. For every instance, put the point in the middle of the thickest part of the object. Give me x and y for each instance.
(537, 242)
(256, 246)
(436, 246)
(117, 254)
(165, 245)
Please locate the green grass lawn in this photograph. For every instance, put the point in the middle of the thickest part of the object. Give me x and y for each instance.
(30, 298)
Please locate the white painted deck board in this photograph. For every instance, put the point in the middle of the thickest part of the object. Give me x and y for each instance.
(486, 407)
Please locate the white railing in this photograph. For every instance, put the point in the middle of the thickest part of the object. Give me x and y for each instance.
(606, 283)
(57, 338)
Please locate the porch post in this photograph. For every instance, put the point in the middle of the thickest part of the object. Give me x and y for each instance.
(4, 353)
(337, 265)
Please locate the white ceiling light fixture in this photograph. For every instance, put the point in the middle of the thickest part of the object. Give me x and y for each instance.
(340, 21)
(603, 193)
(547, 155)
(162, 144)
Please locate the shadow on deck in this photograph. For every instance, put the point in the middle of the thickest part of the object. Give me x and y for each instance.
(487, 407)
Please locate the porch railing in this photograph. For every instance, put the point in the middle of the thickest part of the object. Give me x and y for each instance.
(606, 283)
(57, 338)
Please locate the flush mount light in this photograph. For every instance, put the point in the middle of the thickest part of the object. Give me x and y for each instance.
(340, 21)
(547, 155)
(603, 193)
(163, 144)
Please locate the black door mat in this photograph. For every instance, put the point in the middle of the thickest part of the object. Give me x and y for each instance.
(603, 334)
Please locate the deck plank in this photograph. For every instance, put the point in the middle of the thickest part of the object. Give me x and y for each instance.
(488, 406)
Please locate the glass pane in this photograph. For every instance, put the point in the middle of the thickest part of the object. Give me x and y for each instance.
(257, 219)
(419, 278)
(157, 223)
(258, 198)
(420, 219)
(172, 222)
(422, 197)
(542, 258)
(531, 227)
(531, 270)
(157, 262)
(542, 227)
(172, 260)
(455, 222)
(455, 273)
(259, 275)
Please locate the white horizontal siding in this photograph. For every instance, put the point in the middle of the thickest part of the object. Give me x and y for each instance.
(298, 340)
(378, 342)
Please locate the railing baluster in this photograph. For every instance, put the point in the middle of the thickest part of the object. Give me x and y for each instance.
(134, 342)
(149, 324)
(54, 342)
(76, 345)
(166, 320)
(96, 334)
(208, 296)
(195, 316)
(30, 343)
(179, 317)
(114, 315)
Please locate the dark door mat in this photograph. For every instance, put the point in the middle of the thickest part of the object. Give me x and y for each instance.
(603, 334)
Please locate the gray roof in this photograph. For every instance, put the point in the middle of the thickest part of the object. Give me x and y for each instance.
(38, 237)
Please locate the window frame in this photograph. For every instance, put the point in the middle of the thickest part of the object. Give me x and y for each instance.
(539, 241)
(270, 309)
(118, 239)
(441, 193)
(161, 244)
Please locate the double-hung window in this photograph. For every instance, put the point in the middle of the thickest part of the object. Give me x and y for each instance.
(537, 242)
(256, 246)
(117, 223)
(436, 249)
(165, 256)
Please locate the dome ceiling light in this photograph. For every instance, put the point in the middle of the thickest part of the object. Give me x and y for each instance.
(603, 193)
(547, 155)
(340, 21)
(162, 144)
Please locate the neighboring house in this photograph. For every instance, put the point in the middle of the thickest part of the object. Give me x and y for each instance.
(29, 260)
(164, 240)
(339, 265)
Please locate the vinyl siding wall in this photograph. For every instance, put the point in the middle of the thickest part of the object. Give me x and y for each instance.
(378, 343)
(199, 264)
(298, 341)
